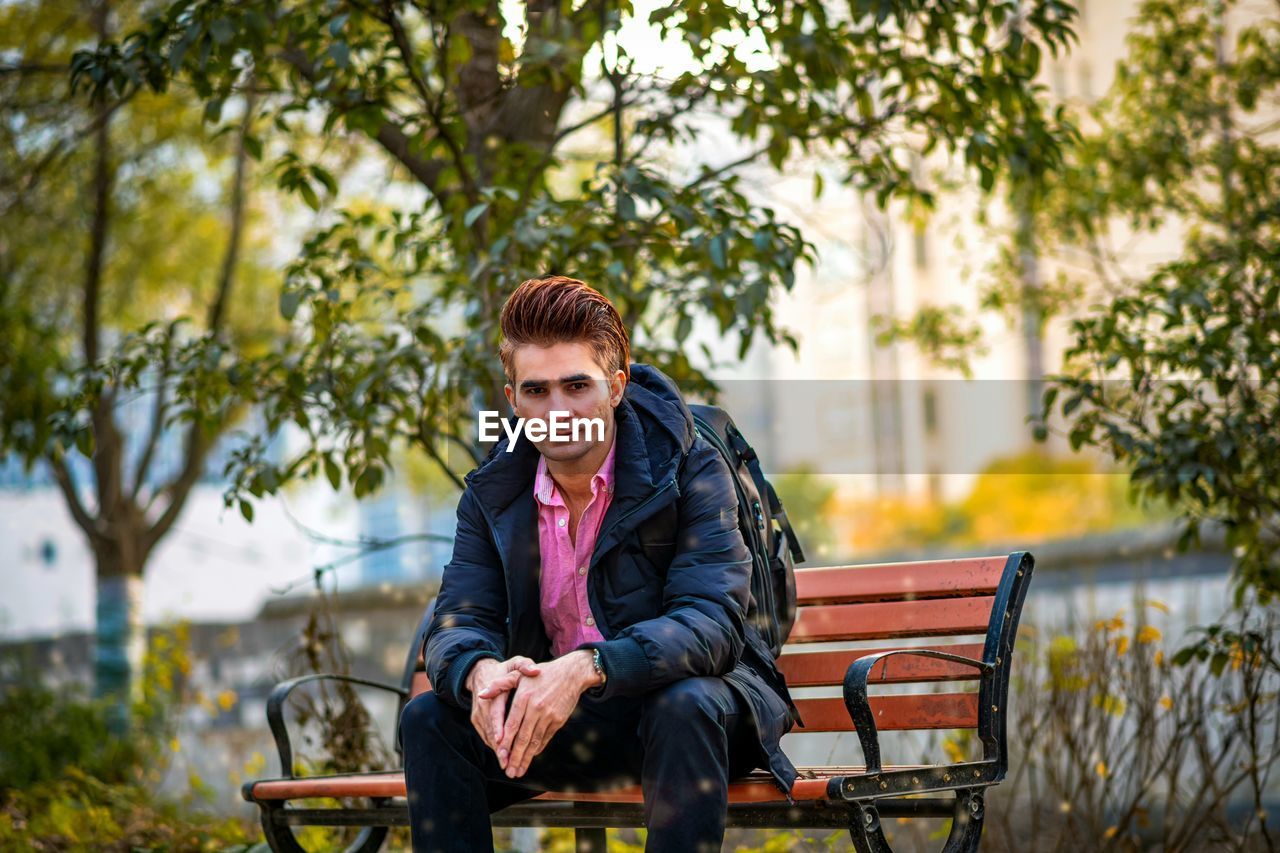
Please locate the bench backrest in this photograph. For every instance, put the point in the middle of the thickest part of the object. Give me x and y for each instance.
(927, 604)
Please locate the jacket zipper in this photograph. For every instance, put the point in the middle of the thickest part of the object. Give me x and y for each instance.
(673, 483)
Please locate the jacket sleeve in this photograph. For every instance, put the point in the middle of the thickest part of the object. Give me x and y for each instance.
(469, 621)
(702, 627)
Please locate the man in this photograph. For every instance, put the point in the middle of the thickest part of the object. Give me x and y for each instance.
(591, 628)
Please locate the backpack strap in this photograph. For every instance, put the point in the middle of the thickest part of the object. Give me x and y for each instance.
(765, 488)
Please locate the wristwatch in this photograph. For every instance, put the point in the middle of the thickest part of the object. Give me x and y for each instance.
(595, 662)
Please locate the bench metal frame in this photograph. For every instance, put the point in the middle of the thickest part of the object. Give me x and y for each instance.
(859, 803)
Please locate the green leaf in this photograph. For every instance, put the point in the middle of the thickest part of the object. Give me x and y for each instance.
(222, 31)
(717, 248)
(246, 509)
(290, 299)
(213, 110)
(332, 472)
(341, 54)
(1218, 663)
(475, 213)
(309, 195)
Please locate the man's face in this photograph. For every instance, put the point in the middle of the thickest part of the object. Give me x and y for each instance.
(564, 377)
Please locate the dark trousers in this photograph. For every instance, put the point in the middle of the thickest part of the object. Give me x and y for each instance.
(682, 743)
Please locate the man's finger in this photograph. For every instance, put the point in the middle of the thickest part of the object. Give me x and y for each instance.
(536, 743)
(522, 664)
(496, 717)
(502, 683)
(516, 720)
(528, 725)
(480, 719)
(537, 740)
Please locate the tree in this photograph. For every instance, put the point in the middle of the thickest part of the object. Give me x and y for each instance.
(103, 230)
(541, 144)
(1172, 370)
(1177, 375)
(480, 114)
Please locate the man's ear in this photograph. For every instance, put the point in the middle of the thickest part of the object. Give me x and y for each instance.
(511, 394)
(617, 385)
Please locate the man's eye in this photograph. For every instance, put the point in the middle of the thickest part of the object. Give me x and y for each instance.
(578, 386)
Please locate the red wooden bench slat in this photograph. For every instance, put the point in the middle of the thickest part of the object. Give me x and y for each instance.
(899, 581)
(894, 713)
(891, 619)
(755, 787)
(814, 669)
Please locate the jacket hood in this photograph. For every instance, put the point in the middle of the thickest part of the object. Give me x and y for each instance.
(654, 429)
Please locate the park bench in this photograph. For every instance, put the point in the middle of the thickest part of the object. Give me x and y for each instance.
(886, 608)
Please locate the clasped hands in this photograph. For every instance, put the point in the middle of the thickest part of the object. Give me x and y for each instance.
(548, 693)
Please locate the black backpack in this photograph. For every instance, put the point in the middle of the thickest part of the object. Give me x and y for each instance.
(767, 531)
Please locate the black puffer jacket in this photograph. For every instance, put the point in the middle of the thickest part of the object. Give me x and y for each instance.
(670, 603)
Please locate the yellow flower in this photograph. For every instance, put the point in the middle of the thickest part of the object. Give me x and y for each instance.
(227, 700)
(1148, 634)
(1101, 769)
(1122, 645)
(1166, 702)
(1111, 832)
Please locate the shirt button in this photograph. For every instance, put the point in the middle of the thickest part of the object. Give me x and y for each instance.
(582, 570)
(591, 621)
(561, 522)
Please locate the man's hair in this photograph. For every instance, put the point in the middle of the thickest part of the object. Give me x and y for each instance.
(557, 309)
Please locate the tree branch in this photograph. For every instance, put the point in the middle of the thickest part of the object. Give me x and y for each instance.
(390, 136)
(218, 310)
(179, 488)
(72, 497)
(401, 39)
(157, 425)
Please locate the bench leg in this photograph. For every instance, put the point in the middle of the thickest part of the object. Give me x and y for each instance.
(966, 826)
(865, 829)
(280, 838)
(594, 840)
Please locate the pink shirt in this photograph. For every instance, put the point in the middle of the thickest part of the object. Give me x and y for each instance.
(566, 615)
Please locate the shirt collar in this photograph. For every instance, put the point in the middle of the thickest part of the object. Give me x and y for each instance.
(544, 486)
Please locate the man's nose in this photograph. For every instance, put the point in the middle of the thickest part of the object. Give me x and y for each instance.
(559, 403)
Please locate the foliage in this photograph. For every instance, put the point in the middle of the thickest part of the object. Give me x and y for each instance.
(79, 812)
(500, 128)
(68, 784)
(1177, 377)
(808, 500)
(1026, 497)
(1117, 746)
(1171, 369)
(121, 219)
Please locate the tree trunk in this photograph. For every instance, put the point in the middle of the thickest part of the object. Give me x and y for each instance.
(120, 643)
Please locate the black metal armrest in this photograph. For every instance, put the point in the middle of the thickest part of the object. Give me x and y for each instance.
(280, 694)
(858, 703)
